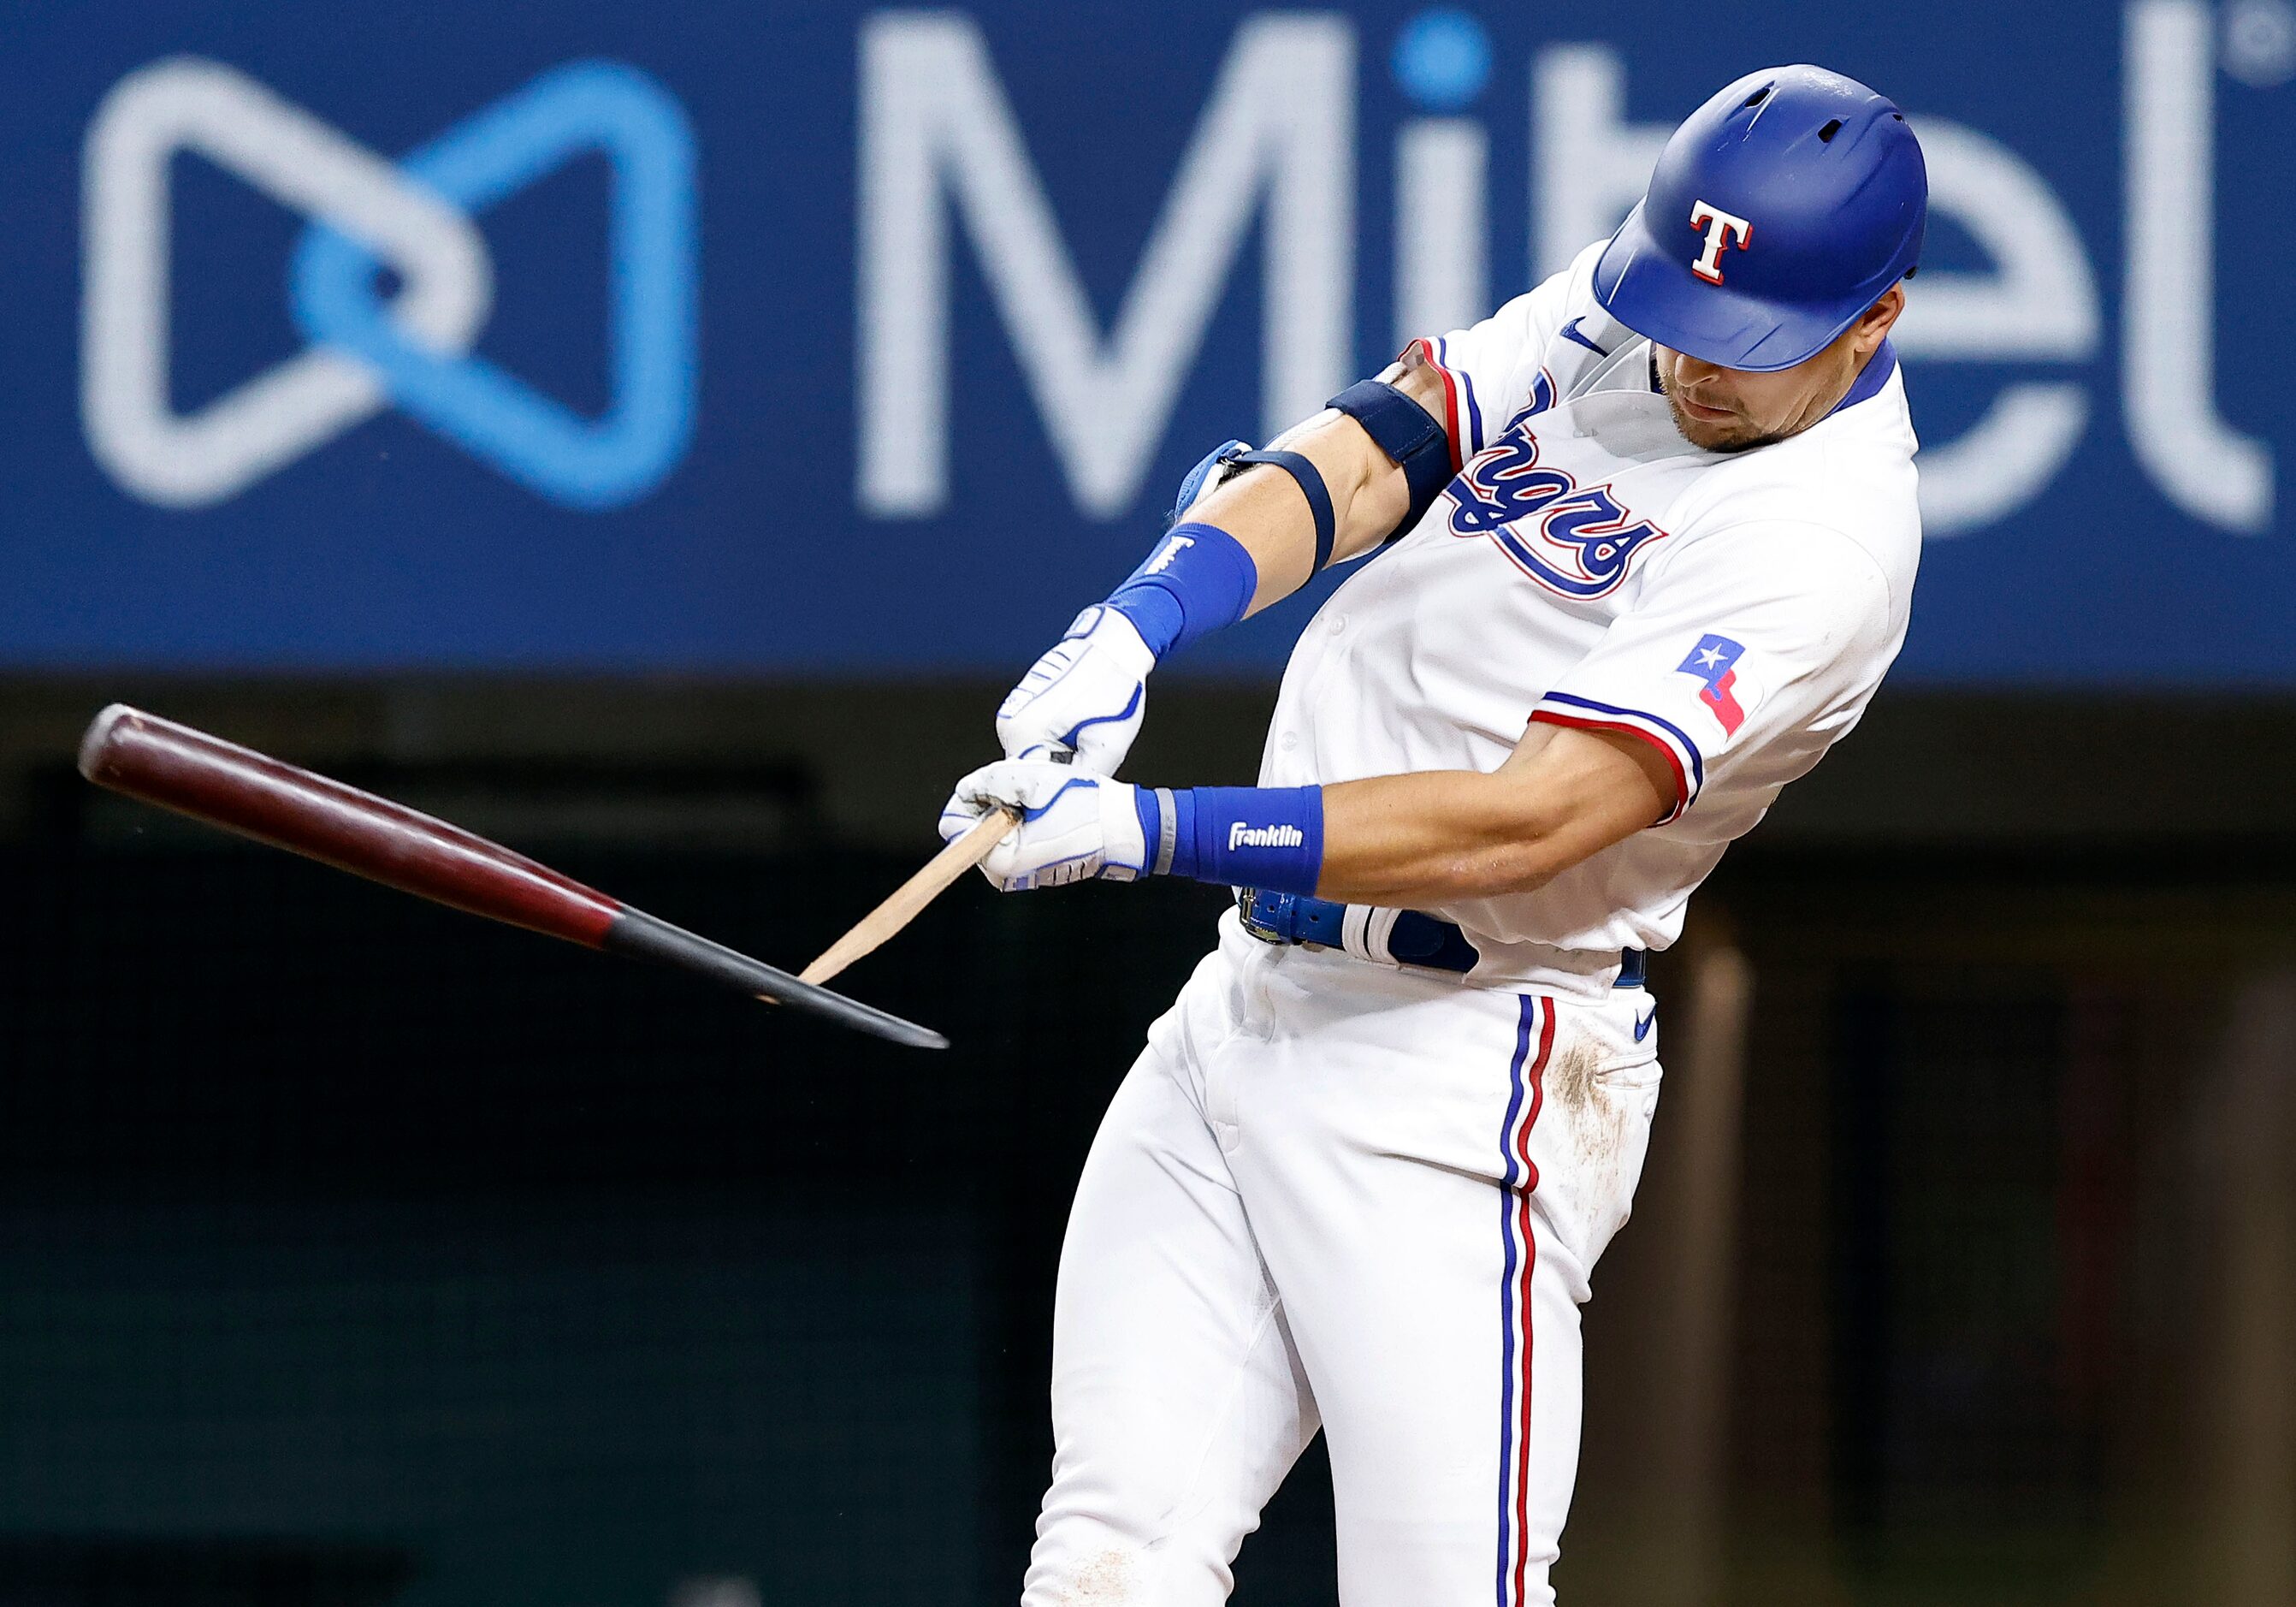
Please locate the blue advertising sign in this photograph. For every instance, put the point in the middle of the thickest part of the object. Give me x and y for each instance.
(835, 340)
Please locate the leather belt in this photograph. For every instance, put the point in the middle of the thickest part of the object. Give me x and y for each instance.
(1402, 936)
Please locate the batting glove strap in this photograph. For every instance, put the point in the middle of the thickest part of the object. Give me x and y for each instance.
(1236, 837)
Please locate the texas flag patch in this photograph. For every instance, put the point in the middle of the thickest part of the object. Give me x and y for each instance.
(1715, 661)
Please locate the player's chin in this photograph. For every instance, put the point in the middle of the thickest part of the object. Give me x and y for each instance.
(1730, 434)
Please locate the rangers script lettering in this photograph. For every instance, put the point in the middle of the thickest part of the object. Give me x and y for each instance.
(1571, 540)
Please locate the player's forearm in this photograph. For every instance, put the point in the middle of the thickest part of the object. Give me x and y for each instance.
(1401, 842)
(1396, 841)
(1255, 541)
(1407, 842)
(1424, 839)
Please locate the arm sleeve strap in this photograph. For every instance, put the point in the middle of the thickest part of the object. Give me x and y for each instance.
(1312, 487)
(1412, 439)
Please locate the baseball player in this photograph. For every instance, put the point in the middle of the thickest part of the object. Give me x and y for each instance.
(1648, 538)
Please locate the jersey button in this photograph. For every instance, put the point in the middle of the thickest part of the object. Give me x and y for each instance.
(1338, 622)
(1288, 741)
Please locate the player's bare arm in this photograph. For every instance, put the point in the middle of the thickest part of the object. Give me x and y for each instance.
(1418, 841)
(1400, 842)
(1250, 529)
(1265, 509)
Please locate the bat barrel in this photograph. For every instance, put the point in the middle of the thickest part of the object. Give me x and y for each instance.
(257, 797)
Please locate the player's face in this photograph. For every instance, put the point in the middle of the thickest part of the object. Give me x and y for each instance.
(1730, 410)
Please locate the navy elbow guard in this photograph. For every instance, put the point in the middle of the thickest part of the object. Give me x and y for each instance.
(1413, 439)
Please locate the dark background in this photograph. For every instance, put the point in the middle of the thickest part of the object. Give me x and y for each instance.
(355, 1251)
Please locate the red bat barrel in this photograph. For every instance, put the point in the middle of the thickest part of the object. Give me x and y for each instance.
(256, 795)
(241, 790)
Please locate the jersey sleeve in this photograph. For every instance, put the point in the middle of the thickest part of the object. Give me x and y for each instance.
(1748, 654)
(1492, 372)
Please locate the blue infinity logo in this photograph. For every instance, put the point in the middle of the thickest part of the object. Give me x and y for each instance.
(581, 462)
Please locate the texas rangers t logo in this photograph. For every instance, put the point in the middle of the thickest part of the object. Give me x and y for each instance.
(1723, 230)
(1715, 661)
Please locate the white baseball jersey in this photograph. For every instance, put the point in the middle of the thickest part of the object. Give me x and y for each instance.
(1588, 567)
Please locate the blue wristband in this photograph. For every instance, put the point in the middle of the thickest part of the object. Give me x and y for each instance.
(1199, 580)
(1236, 837)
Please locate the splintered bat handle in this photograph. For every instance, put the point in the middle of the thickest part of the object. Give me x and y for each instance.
(875, 928)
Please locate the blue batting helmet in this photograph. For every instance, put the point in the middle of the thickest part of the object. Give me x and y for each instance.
(1778, 213)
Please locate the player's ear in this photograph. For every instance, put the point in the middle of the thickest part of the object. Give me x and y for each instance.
(1880, 319)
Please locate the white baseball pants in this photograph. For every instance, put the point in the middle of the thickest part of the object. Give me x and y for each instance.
(1331, 1193)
